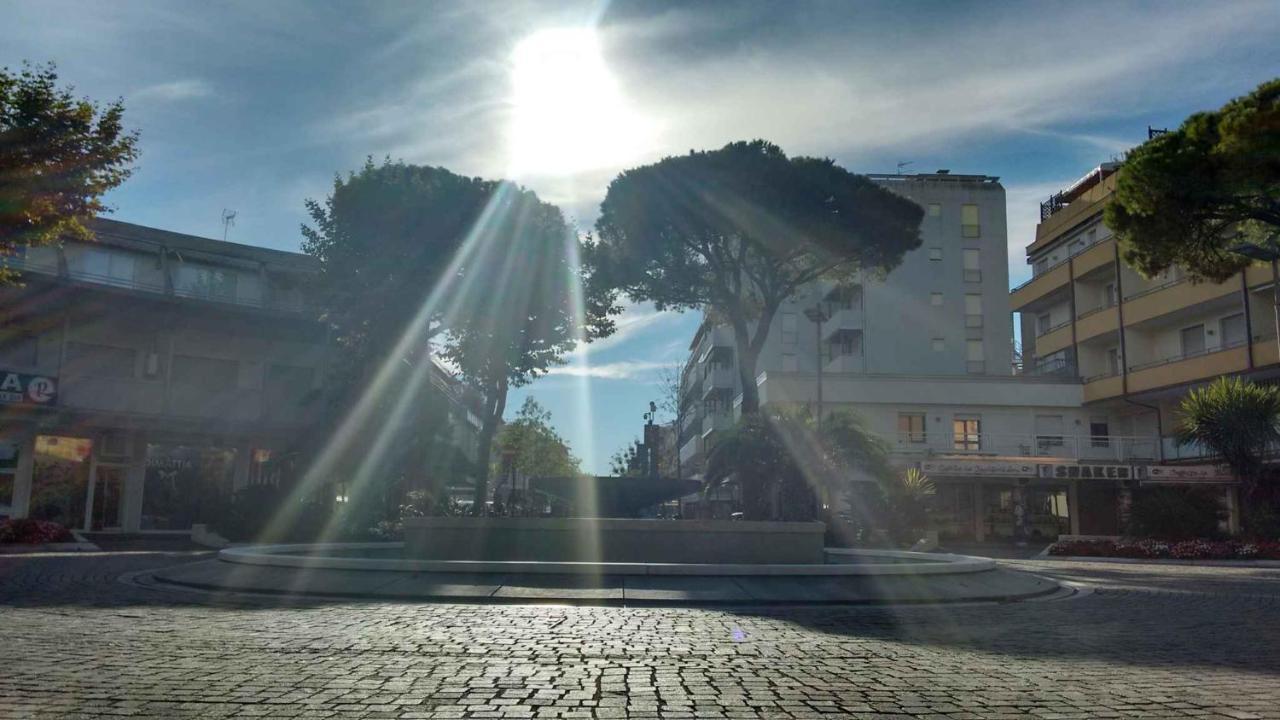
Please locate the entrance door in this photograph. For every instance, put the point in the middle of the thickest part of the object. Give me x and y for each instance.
(1098, 503)
(107, 497)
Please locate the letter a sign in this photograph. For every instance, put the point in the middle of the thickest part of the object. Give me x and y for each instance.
(24, 389)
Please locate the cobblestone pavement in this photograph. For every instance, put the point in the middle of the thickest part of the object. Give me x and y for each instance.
(1149, 642)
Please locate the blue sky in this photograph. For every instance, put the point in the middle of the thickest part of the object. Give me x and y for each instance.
(254, 106)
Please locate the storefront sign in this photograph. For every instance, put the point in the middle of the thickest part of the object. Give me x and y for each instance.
(1085, 472)
(27, 389)
(977, 468)
(1185, 474)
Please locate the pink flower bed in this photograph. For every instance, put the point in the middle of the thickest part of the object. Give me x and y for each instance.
(33, 532)
(1177, 550)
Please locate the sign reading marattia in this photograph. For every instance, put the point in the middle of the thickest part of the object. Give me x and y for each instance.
(16, 387)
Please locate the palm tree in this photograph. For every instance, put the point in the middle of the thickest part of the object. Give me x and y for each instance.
(753, 455)
(1234, 419)
(908, 495)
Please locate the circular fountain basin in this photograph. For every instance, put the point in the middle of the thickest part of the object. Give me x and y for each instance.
(389, 557)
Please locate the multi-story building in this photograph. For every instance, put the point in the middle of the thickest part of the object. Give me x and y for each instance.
(1137, 344)
(146, 375)
(943, 311)
(1037, 453)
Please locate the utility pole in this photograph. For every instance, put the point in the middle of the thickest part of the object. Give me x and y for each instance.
(818, 315)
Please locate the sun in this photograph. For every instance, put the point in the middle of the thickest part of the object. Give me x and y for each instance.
(569, 115)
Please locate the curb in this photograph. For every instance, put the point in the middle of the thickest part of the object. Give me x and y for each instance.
(1163, 561)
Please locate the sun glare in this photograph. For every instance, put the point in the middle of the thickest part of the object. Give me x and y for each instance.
(569, 114)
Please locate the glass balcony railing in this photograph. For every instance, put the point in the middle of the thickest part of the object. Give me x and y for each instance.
(1078, 447)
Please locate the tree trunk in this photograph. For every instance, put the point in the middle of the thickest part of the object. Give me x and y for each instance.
(497, 405)
(746, 368)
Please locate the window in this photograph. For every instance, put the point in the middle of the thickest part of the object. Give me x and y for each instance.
(935, 299)
(1044, 321)
(1233, 330)
(17, 350)
(205, 281)
(789, 362)
(1109, 296)
(100, 360)
(1040, 266)
(935, 254)
(288, 384)
(973, 310)
(967, 433)
(1192, 340)
(969, 221)
(1048, 432)
(939, 345)
(935, 210)
(1074, 247)
(845, 345)
(105, 265)
(975, 356)
(1091, 237)
(789, 328)
(911, 427)
(213, 373)
(1099, 433)
(972, 265)
(1113, 360)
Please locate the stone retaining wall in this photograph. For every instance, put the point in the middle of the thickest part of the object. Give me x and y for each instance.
(613, 540)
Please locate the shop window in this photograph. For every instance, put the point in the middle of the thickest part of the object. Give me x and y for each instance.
(213, 373)
(911, 427)
(9, 449)
(60, 479)
(186, 484)
(92, 360)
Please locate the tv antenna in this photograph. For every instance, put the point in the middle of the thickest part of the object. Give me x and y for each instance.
(228, 219)
(903, 164)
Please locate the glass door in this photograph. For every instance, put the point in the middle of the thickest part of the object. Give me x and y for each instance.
(108, 493)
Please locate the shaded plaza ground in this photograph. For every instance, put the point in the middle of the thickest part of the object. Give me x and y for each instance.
(1149, 641)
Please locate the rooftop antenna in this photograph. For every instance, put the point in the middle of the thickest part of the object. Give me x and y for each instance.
(903, 164)
(228, 219)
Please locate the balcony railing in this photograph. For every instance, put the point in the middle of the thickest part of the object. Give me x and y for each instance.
(52, 269)
(1094, 311)
(1041, 332)
(1188, 355)
(1082, 447)
(1056, 368)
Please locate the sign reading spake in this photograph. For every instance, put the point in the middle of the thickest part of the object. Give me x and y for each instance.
(27, 389)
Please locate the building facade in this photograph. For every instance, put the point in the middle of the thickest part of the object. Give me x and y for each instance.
(148, 375)
(942, 311)
(1055, 445)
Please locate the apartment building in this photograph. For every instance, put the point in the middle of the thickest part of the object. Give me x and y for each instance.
(943, 311)
(1137, 344)
(147, 375)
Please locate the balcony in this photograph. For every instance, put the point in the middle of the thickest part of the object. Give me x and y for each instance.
(1188, 367)
(715, 421)
(1098, 321)
(1095, 256)
(1103, 386)
(1038, 287)
(844, 364)
(718, 379)
(1076, 447)
(1175, 294)
(691, 449)
(844, 320)
(1054, 339)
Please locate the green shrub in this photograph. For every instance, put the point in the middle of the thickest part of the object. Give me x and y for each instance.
(1261, 521)
(1174, 513)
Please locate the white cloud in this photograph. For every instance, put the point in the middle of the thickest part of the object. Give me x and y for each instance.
(174, 91)
(1022, 203)
(635, 318)
(623, 370)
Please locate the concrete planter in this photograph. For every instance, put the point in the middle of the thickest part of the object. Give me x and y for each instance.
(613, 540)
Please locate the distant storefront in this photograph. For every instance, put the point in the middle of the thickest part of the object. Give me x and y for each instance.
(997, 499)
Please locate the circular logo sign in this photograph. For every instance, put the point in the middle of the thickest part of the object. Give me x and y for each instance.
(41, 390)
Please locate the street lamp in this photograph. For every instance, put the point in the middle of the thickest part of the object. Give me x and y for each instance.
(1266, 253)
(818, 315)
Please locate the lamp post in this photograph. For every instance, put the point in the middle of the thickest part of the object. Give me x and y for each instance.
(818, 315)
(1267, 253)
